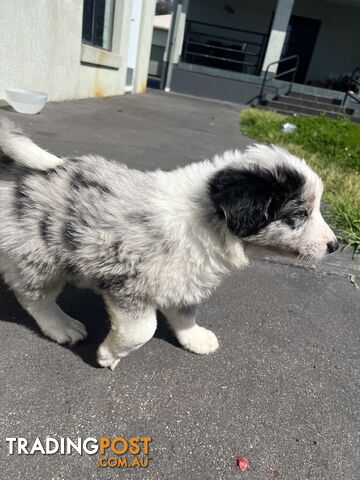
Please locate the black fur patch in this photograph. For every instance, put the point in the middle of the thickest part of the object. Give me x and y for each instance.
(44, 225)
(39, 265)
(70, 238)
(138, 218)
(74, 218)
(79, 181)
(115, 249)
(71, 269)
(23, 198)
(115, 282)
(30, 171)
(128, 300)
(6, 159)
(251, 199)
(7, 166)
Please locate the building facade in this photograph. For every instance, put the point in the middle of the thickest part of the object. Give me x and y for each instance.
(222, 48)
(75, 48)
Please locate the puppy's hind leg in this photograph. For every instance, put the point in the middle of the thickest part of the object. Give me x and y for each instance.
(189, 334)
(130, 329)
(53, 322)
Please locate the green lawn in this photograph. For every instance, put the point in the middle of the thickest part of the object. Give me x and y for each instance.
(332, 148)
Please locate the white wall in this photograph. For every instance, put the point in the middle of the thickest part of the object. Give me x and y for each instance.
(40, 49)
(39, 45)
(337, 48)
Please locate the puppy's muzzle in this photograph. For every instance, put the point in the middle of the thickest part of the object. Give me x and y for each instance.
(332, 247)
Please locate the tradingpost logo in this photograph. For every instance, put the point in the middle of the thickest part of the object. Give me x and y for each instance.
(117, 452)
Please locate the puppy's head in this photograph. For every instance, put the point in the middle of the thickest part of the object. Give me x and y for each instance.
(270, 198)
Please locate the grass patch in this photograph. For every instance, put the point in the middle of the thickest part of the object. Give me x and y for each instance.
(332, 148)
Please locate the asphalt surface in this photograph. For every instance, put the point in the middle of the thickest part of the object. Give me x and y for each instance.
(282, 390)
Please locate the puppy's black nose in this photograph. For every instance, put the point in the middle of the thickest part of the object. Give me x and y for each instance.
(332, 247)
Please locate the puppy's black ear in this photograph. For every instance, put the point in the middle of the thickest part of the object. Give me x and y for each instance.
(242, 198)
(250, 199)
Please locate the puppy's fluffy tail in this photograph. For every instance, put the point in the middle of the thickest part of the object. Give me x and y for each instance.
(15, 145)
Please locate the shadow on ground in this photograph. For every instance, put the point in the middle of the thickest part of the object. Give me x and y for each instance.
(84, 305)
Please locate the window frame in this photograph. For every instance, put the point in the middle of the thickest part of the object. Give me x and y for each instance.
(91, 43)
(99, 57)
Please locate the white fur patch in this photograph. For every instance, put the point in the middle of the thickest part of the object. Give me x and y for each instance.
(23, 150)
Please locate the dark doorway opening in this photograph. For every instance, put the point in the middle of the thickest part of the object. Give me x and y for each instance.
(300, 40)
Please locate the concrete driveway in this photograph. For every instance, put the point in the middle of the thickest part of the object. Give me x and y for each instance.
(282, 390)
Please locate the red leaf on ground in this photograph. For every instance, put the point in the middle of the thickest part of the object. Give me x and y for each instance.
(243, 463)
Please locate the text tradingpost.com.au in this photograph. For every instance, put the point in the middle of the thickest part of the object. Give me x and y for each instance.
(114, 452)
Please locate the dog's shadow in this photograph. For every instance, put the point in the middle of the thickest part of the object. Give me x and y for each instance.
(85, 306)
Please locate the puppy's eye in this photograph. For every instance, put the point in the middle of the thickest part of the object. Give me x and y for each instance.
(302, 213)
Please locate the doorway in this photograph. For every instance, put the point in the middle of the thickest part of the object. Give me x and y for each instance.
(300, 40)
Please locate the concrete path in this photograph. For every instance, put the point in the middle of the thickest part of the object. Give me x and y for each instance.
(283, 389)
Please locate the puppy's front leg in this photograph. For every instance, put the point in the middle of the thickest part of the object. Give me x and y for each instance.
(130, 329)
(190, 335)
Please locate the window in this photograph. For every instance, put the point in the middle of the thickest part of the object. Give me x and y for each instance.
(98, 19)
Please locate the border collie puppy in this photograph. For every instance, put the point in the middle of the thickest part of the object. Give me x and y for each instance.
(146, 241)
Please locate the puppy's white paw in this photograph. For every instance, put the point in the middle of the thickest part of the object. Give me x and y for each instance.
(198, 340)
(66, 330)
(106, 358)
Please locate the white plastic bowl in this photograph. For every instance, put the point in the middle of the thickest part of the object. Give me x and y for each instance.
(26, 101)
